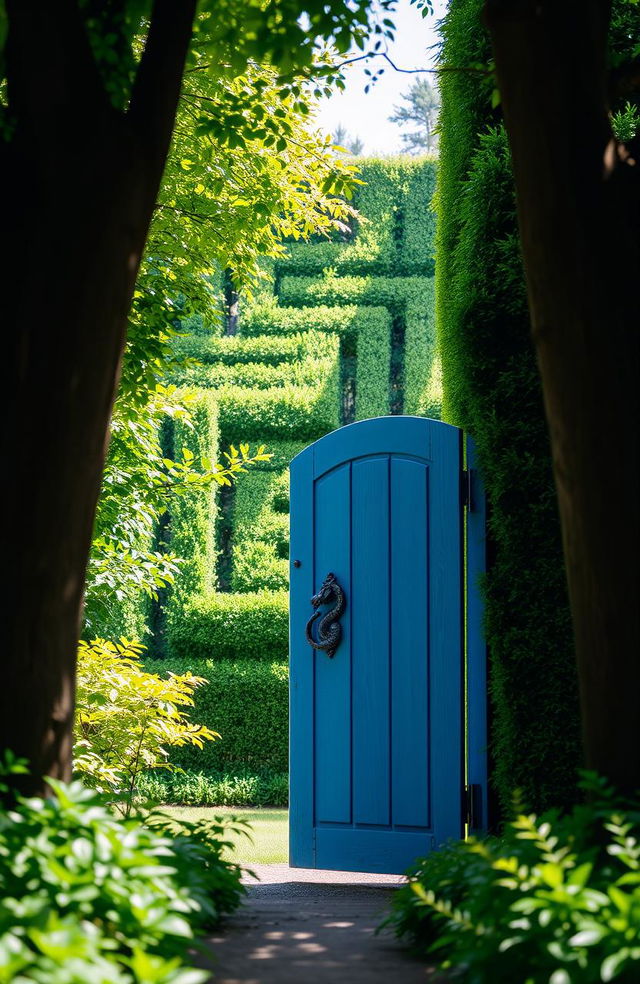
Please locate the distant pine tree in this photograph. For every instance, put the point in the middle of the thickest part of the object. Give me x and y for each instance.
(341, 138)
(421, 112)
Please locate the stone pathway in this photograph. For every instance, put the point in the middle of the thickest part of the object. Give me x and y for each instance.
(301, 926)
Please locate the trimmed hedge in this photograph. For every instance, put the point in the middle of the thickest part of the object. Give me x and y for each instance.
(373, 365)
(390, 292)
(262, 347)
(252, 626)
(297, 412)
(348, 322)
(282, 454)
(374, 248)
(417, 251)
(260, 535)
(395, 235)
(422, 381)
(257, 566)
(255, 375)
(492, 389)
(193, 514)
(247, 703)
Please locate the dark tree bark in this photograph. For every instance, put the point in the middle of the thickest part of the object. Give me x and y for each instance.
(579, 218)
(80, 181)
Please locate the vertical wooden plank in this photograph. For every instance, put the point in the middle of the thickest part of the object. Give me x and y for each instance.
(301, 842)
(445, 631)
(476, 645)
(370, 640)
(333, 676)
(409, 642)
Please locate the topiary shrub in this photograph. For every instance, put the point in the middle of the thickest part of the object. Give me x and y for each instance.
(373, 365)
(193, 514)
(252, 626)
(422, 376)
(257, 566)
(249, 701)
(390, 292)
(348, 322)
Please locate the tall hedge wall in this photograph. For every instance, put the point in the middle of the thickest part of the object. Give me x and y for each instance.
(491, 388)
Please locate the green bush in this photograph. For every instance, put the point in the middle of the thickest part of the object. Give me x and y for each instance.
(231, 626)
(555, 901)
(422, 383)
(395, 234)
(373, 248)
(297, 360)
(417, 251)
(309, 372)
(390, 292)
(86, 897)
(373, 365)
(249, 702)
(294, 412)
(193, 515)
(257, 566)
(235, 349)
(127, 719)
(260, 535)
(348, 322)
(491, 388)
(281, 490)
(216, 788)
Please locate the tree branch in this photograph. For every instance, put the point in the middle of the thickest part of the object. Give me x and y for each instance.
(414, 71)
(155, 93)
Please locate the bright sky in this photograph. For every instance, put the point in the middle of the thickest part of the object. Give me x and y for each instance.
(366, 115)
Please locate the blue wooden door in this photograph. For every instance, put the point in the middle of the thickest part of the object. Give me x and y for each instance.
(376, 727)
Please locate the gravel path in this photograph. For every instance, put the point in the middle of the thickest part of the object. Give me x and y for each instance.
(301, 926)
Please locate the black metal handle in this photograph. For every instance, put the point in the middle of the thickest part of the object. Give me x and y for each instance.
(329, 628)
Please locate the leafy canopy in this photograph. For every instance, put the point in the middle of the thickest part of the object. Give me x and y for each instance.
(233, 188)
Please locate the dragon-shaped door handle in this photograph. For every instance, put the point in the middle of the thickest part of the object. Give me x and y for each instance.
(329, 628)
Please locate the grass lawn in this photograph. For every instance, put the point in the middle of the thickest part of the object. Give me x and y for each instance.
(269, 842)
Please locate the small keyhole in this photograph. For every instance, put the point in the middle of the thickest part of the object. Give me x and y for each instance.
(297, 563)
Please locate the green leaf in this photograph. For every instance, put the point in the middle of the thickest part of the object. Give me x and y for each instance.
(588, 937)
(613, 964)
(560, 976)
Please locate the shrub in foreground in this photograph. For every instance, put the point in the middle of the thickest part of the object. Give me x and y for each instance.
(89, 898)
(556, 900)
(128, 718)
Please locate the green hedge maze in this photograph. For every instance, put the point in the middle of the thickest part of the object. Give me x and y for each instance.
(338, 331)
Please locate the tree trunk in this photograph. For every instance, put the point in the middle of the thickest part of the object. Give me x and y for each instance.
(80, 181)
(579, 218)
